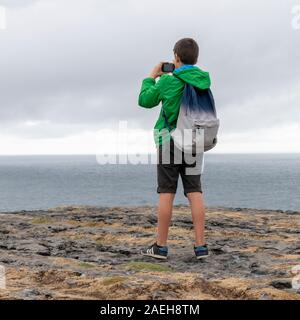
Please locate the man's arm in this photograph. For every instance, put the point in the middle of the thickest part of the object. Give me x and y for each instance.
(150, 95)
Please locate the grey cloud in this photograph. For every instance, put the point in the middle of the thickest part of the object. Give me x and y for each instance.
(84, 68)
(16, 3)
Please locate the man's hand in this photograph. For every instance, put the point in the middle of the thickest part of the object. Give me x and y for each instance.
(156, 72)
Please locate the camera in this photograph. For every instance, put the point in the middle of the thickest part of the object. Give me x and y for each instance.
(168, 67)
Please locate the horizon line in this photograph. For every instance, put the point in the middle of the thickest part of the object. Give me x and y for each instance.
(131, 154)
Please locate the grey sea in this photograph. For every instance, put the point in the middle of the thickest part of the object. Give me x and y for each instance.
(261, 181)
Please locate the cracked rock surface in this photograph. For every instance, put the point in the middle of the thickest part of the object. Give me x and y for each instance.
(93, 253)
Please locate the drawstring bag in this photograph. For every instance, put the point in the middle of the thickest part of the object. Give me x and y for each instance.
(197, 124)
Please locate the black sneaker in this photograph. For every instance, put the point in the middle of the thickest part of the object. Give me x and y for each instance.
(201, 252)
(156, 251)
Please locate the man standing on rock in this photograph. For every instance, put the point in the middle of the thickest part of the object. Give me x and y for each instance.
(169, 89)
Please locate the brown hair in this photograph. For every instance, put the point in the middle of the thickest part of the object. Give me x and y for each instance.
(187, 50)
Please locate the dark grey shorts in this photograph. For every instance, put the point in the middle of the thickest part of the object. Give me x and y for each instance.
(168, 173)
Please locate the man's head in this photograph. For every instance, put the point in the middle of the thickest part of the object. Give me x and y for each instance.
(186, 51)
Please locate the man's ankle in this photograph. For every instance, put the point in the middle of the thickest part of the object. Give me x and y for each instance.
(161, 244)
(200, 244)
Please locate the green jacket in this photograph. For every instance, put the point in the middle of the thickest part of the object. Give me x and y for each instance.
(168, 90)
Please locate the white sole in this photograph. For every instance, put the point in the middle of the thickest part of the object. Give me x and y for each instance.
(153, 256)
(202, 257)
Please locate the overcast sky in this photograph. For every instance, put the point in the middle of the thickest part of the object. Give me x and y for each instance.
(70, 70)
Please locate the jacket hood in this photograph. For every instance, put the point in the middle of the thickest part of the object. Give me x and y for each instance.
(195, 77)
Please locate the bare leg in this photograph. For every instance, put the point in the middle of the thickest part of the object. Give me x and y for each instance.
(198, 214)
(165, 207)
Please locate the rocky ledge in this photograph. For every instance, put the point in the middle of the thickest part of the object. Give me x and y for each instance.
(93, 253)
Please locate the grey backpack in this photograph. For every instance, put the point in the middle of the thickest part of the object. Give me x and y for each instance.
(197, 124)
